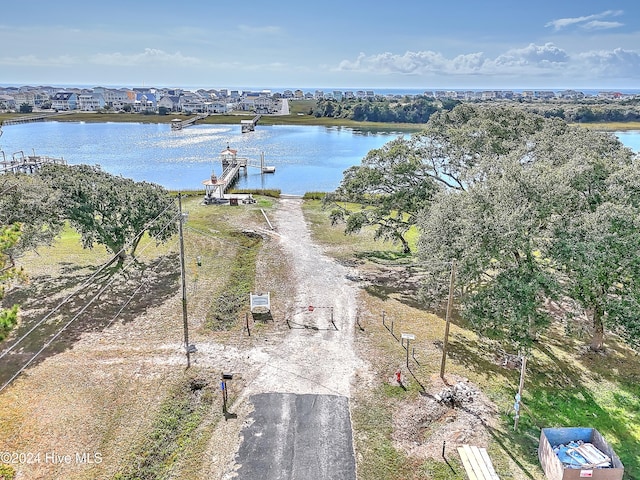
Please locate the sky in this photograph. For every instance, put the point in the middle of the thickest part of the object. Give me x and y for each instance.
(399, 44)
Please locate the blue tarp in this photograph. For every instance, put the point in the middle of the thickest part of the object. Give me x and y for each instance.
(575, 460)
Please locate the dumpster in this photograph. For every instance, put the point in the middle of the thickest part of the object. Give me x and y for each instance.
(573, 453)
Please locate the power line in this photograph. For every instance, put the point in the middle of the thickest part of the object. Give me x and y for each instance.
(142, 284)
(74, 318)
(89, 281)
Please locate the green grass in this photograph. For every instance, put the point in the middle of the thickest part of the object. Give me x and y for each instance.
(232, 299)
(565, 384)
(181, 413)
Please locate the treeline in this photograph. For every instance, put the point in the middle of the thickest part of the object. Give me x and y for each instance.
(418, 109)
(592, 114)
(379, 109)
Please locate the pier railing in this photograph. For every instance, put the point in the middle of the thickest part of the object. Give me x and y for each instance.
(27, 164)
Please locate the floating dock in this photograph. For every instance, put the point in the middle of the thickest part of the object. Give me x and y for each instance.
(178, 124)
(249, 125)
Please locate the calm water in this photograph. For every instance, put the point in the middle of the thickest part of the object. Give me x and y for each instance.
(306, 158)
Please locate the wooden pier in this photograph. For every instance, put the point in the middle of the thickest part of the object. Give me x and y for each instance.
(216, 187)
(27, 164)
(249, 125)
(33, 118)
(177, 124)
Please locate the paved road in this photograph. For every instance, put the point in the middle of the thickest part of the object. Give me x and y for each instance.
(297, 437)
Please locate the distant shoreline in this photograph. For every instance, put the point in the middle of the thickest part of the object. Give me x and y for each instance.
(280, 120)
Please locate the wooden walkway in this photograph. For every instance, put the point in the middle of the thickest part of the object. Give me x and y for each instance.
(177, 124)
(29, 164)
(216, 188)
(477, 463)
(33, 118)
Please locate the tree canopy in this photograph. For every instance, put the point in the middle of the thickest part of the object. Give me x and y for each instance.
(111, 210)
(392, 185)
(531, 208)
(528, 210)
(9, 236)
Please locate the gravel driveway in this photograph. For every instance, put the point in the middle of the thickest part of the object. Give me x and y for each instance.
(300, 425)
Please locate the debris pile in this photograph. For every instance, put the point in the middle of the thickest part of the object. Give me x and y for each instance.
(456, 396)
(579, 454)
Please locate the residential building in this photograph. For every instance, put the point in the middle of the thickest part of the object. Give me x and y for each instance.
(64, 101)
(90, 102)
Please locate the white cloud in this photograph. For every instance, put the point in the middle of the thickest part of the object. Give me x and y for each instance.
(534, 60)
(150, 56)
(415, 63)
(589, 21)
(600, 25)
(618, 62)
(536, 55)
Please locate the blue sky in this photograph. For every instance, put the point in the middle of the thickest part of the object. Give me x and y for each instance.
(418, 44)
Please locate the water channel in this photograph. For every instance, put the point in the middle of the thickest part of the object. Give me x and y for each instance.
(306, 158)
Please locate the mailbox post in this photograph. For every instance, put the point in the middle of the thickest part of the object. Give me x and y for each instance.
(223, 387)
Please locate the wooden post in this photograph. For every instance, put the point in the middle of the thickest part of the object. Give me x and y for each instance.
(448, 319)
(246, 317)
(519, 394)
(407, 353)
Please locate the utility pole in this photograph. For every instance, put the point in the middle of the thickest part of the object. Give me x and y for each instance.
(448, 319)
(184, 283)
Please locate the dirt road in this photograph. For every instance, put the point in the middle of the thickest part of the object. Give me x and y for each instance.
(300, 427)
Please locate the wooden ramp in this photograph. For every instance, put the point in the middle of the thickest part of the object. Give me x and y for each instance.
(477, 463)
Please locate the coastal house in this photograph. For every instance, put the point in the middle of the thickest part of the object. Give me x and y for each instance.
(116, 98)
(35, 98)
(90, 102)
(64, 101)
(7, 102)
(170, 102)
(263, 104)
(217, 106)
(190, 103)
(145, 102)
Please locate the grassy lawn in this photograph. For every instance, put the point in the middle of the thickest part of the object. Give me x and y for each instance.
(565, 384)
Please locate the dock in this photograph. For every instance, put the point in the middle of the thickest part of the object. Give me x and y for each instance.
(178, 124)
(217, 186)
(33, 118)
(27, 164)
(249, 125)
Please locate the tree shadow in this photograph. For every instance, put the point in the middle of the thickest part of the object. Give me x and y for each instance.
(47, 307)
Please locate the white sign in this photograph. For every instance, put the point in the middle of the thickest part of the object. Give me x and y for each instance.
(408, 336)
(260, 302)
